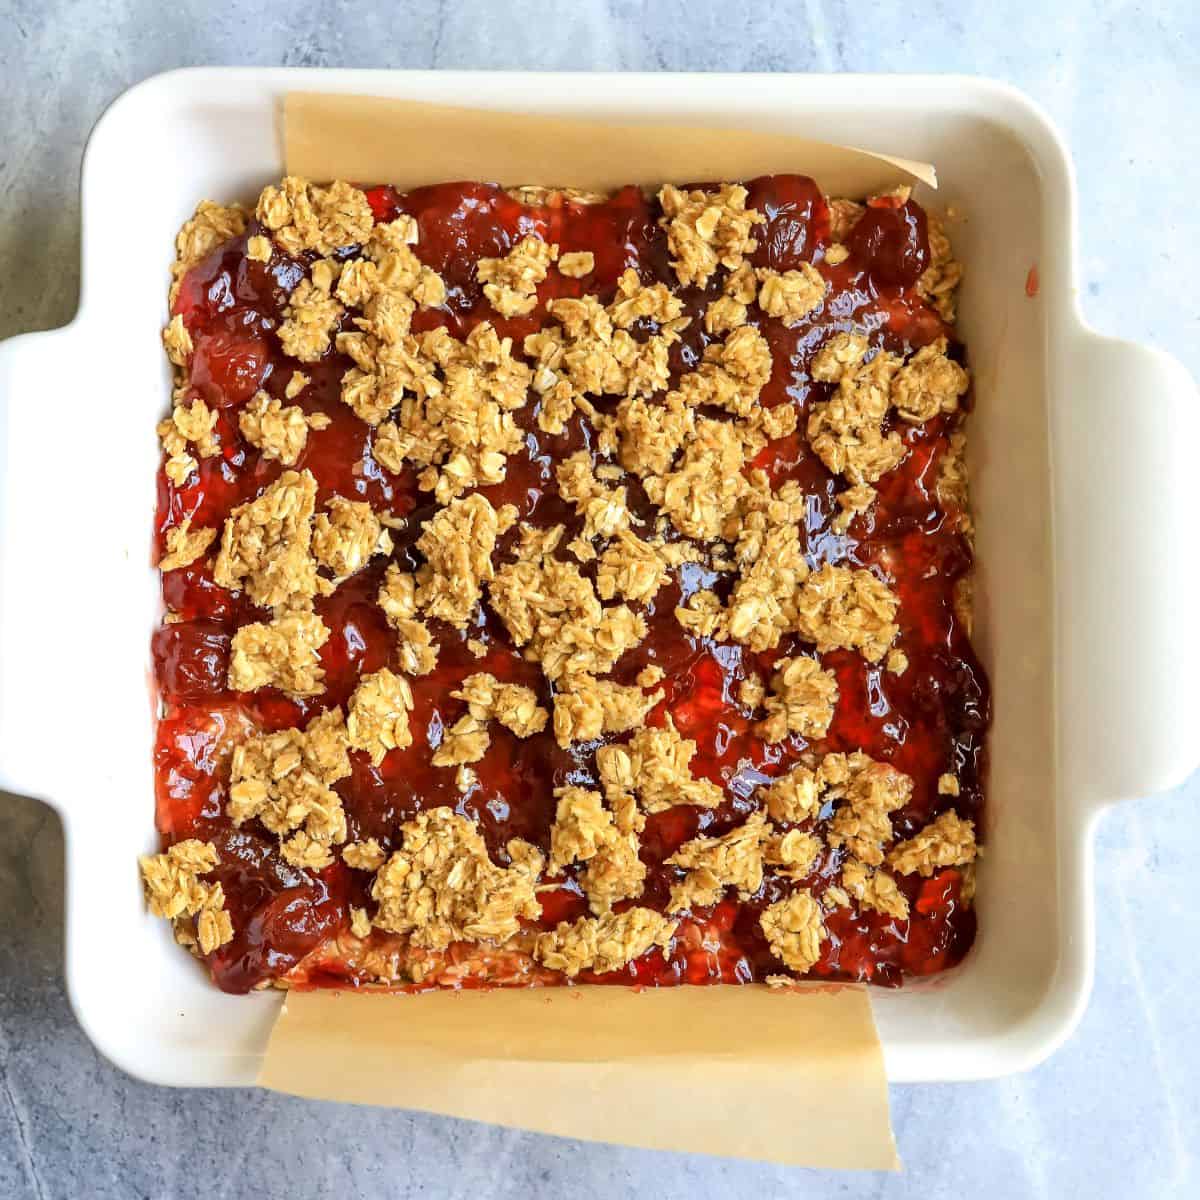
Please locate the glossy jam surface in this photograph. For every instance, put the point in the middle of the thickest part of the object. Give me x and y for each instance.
(928, 721)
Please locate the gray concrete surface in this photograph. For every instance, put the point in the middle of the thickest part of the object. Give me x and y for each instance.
(1114, 1114)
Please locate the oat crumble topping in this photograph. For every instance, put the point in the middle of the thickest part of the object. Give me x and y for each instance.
(363, 856)
(791, 295)
(867, 793)
(279, 432)
(441, 886)
(850, 609)
(302, 216)
(284, 780)
(378, 720)
(346, 536)
(281, 653)
(795, 930)
(185, 545)
(874, 889)
(510, 283)
(655, 765)
(266, 545)
(514, 706)
(734, 859)
(209, 227)
(706, 230)
(605, 943)
(577, 263)
(802, 700)
(948, 841)
(587, 708)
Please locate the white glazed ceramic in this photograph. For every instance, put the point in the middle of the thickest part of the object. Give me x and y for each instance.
(1082, 452)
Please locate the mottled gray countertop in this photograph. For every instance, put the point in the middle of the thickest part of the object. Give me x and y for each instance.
(1114, 1113)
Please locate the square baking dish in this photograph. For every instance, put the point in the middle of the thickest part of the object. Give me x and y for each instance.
(1080, 452)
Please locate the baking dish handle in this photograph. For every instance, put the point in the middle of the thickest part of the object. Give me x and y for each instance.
(1129, 583)
(30, 547)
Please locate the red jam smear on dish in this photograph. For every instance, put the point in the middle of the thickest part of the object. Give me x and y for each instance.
(928, 721)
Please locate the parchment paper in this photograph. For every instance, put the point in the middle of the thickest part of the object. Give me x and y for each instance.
(794, 1076)
(368, 139)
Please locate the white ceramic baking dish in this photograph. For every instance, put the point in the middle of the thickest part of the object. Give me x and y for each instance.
(1082, 453)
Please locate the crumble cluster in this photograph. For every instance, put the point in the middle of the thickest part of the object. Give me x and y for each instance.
(444, 407)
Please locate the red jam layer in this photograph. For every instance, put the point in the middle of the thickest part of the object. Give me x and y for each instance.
(928, 721)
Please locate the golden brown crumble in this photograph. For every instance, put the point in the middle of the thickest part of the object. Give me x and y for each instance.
(281, 653)
(285, 780)
(947, 785)
(309, 320)
(752, 691)
(466, 741)
(441, 886)
(702, 493)
(604, 509)
(793, 854)
(266, 545)
(587, 708)
(302, 216)
(360, 922)
(706, 230)
(944, 273)
(295, 385)
(177, 341)
(656, 766)
(843, 216)
(795, 930)
(631, 568)
(836, 254)
(791, 295)
(378, 720)
(867, 793)
(605, 840)
(513, 705)
(874, 889)
(846, 431)
(345, 537)
(803, 697)
(553, 611)
(457, 543)
(605, 943)
(510, 283)
(185, 545)
(929, 383)
(794, 796)
(650, 435)
(635, 301)
(173, 890)
(842, 608)
(259, 248)
(852, 501)
(948, 841)
(279, 432)
(577, 263)
(208, 227)
(415, 646)
(363, 856)
(734, 859)
(458, 429)
(897, 662)
(647, 677)
(187, 425)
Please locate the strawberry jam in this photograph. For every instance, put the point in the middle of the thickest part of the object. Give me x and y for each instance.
(928, 721)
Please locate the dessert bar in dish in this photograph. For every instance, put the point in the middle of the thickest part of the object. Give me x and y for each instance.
(564, 587)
